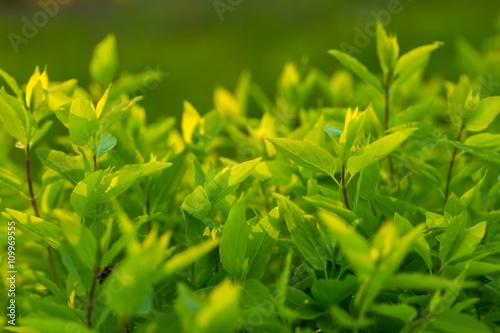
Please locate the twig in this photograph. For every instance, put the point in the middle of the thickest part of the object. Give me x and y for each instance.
(344, 187)
(450, 168)
(34, 204)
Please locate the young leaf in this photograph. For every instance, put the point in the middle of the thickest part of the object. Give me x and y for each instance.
(190, 119)
(102, 103)
(377, 150)
(387, 50)
(307, 155)
(357, 68)
(35, 89)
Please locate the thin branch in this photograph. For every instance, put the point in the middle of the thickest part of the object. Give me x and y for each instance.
(34, 204)
(450, 168)
(344, 187)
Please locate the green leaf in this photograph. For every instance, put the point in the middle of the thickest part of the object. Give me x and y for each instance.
(333, 206)
(50, 325)
(187, 257)
(421, 246)
(102, 103)
(387, 50)
(41, 132)
(11, 180)
(304, 233)
(37, 228)
(108, 142)
(88, 193)
(12, 84)
(116, 112)
(17, 121)
(414, 61)
(70, 167)
(227, 180)
(466, 241)
(104, 61)
(83, 242)
(452, 322)
(217, 313)
(197, 203)
(330, 292)
(146, 169)
(75, 265)
(234, 242)
(468, 196)
(481, 115)
(128, 84)
(60, 104)
(357, 68)
(402, 312)
(306, 155)
(116, 183)
(344, 319)
(82, 122)
(377, 150)
(262, 239)
(484, 140)
(274, 172)
(482, 153)
(354, 246)
(417, 281)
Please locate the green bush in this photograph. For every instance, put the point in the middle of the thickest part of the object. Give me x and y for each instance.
(347, 206)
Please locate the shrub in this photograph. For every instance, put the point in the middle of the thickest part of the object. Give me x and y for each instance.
(363, 206)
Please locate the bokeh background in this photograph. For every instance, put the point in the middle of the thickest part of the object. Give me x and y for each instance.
(201, 50)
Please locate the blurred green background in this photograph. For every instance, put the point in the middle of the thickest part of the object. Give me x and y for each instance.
(188, 40)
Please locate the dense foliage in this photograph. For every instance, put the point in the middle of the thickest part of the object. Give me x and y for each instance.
(339, 206)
